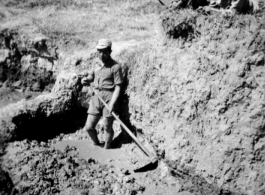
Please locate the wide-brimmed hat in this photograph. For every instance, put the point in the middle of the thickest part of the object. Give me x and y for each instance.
(103, 43)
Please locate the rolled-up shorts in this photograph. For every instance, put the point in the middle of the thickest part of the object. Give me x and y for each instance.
(97, 108)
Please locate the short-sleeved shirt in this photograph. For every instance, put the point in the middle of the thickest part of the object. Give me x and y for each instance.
(108, 76)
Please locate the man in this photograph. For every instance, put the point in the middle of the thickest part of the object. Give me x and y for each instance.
(107, 81)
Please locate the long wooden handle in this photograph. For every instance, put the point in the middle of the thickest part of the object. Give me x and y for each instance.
(147, 153)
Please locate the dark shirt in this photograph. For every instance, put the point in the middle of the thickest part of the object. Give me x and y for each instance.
(108, 76)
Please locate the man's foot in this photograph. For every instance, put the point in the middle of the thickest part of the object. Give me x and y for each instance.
(100, 144)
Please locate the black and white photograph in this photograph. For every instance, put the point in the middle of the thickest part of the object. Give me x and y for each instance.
(132, 97)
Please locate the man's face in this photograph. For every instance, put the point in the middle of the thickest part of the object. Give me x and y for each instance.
(104, 54)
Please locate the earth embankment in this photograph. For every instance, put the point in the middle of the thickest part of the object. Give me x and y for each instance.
(200, 97)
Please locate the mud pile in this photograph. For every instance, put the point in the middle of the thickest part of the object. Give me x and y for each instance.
(200, 98)
(40, 169)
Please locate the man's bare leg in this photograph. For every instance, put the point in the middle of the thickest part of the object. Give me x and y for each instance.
(109, 133)
(91, 123)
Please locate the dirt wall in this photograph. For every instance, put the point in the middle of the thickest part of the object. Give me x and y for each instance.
(45, 116)
(200, 98)
(27, 62)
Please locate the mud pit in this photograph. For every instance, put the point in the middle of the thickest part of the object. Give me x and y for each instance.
(40, 169)
(72, 165)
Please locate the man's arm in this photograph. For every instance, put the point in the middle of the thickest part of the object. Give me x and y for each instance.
(115, 97)
(117, 76)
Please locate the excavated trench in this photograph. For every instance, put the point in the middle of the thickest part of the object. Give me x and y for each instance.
(36, 137)
(38, 149)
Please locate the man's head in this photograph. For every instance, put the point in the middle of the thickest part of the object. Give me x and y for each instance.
(104, 49)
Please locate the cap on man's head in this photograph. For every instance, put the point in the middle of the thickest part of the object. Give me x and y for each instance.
(104, 43)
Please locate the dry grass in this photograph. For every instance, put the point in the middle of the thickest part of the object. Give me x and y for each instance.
(83, 25)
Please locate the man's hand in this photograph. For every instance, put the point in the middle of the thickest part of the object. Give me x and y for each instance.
(87, 80)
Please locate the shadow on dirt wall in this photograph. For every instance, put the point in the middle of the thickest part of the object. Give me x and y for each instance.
(42, 128)
(124, 115)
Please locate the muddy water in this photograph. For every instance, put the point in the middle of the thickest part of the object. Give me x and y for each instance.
(121, 158)
(125, 159)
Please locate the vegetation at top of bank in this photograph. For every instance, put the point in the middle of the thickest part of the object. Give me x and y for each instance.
(136, 6)
(80, 23)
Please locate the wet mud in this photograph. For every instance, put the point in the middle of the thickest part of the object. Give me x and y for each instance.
(77, 167)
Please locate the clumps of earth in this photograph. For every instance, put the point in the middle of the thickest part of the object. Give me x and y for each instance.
(38, 168)
(27, 64)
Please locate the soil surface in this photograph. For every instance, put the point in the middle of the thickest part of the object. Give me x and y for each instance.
(72, 164)
(127, 159)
